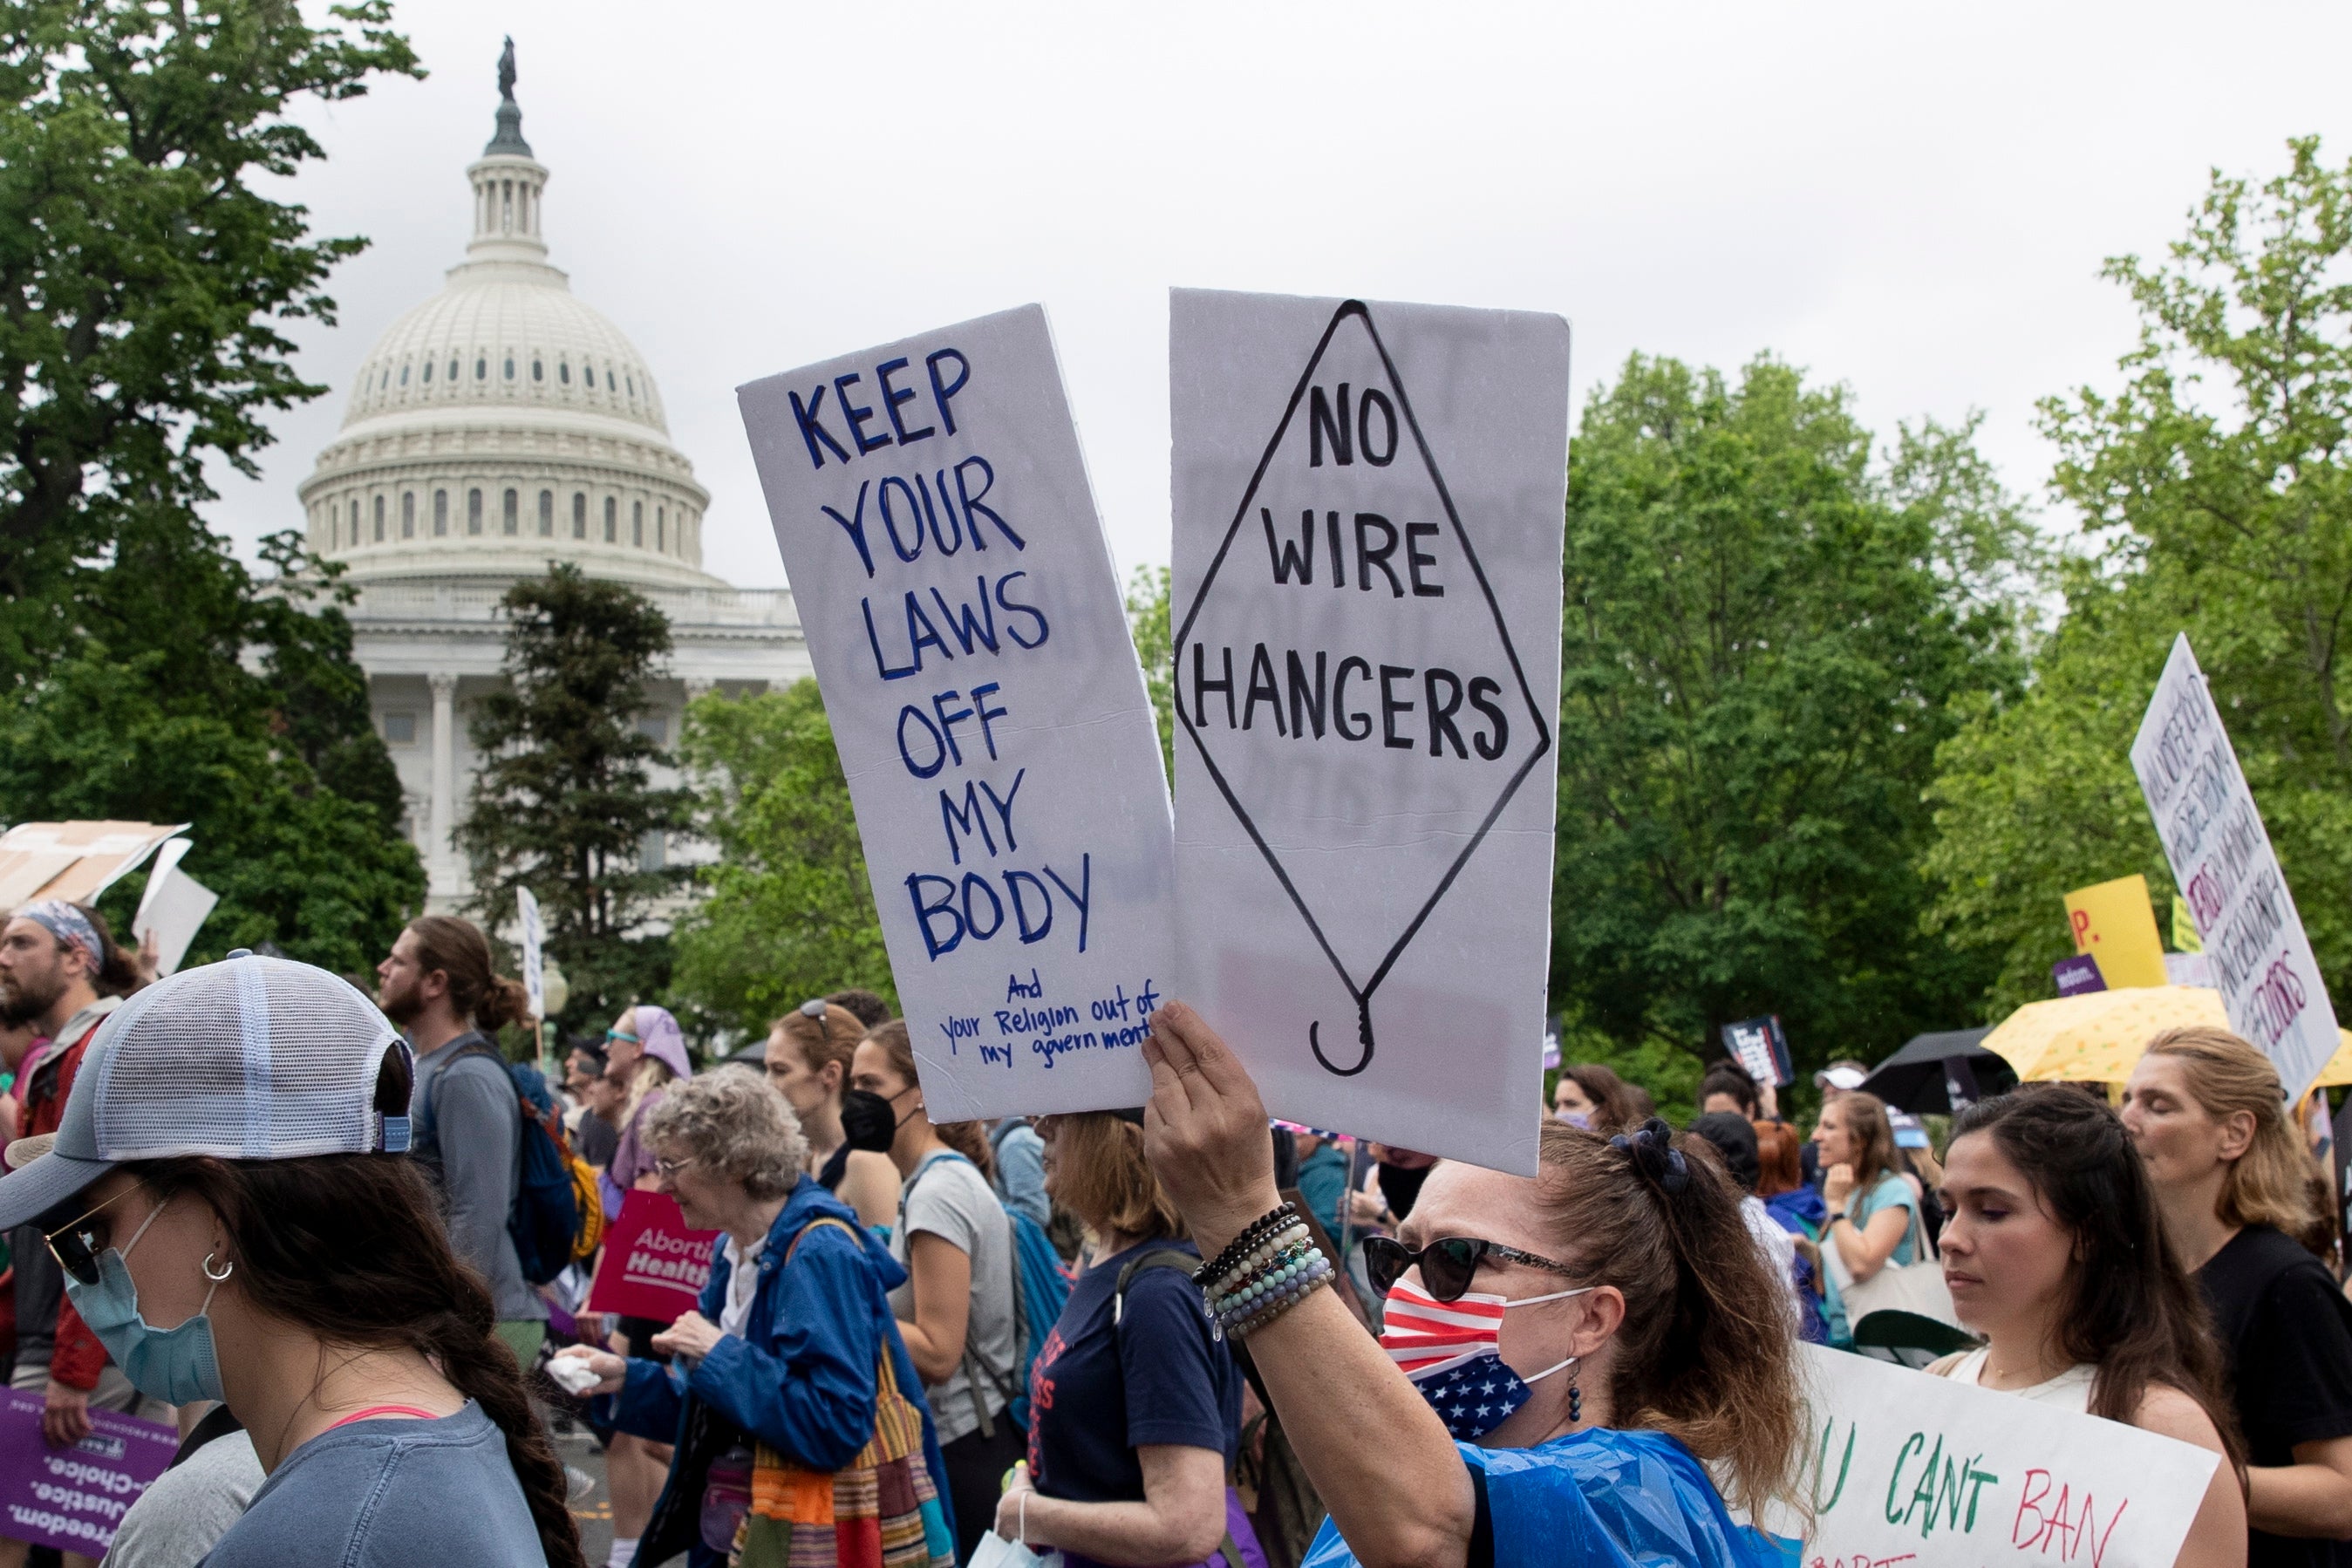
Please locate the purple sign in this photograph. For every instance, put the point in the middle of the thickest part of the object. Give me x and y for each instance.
(72, 1499)
(2078, 976)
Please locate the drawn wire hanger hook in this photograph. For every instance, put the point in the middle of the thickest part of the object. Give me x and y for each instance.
(1363, 1033)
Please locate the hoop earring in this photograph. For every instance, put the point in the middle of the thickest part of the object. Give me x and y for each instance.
(226, 1270)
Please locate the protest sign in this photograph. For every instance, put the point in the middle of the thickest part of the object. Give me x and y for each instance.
(1909, 1467)
(74, 860)
(1761, 1046)
(654, 1266)
(949, 569)
(2222, 861)
(1368, 503)
(174, 906)
(72, 1499)
(2077, 975)
(2113, 923)
(534, 961)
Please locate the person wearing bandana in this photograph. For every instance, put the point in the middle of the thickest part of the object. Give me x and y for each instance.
(59, 969)
(1589, 1366)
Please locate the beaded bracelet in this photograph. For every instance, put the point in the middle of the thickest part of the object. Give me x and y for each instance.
(1282, 1214)
(1278, 1250)
(1306, 1277)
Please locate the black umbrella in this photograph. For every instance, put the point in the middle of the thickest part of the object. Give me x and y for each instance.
(1939, 1072)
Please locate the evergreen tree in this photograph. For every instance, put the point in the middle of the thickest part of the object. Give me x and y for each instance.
(564, 802)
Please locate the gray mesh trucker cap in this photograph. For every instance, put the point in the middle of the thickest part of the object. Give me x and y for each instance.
(249, 1058)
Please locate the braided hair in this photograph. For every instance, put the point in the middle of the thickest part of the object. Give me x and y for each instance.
(351, 1247)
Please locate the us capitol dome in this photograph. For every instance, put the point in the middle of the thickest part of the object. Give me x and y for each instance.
(502, 424)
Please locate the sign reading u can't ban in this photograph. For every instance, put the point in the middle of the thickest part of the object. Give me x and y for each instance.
(2229, 877)
(1368, 509)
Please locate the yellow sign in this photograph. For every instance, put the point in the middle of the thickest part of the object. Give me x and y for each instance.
(2184, 927)
(2115, 924)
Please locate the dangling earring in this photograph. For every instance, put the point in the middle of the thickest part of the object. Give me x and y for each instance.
(1575, 1393)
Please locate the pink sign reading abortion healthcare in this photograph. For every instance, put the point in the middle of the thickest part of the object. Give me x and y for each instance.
(72, 1499)
(654, 1266)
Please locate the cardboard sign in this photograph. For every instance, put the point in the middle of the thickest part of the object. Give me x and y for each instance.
(1909, 1467)
(2078, 976)
(654, 1266)
(1368, 510)
(73, 861)
(2222, 861)
(966, 624)
(2113, 923)
(534, 955)
(1761, 1046)
(72, 1499)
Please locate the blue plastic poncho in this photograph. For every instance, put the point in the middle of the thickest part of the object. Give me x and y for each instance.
(1603, 1498)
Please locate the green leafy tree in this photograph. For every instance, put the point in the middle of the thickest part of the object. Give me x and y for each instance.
(2215, 487)
(788, 912)
(1155, 646)
(564, 802)
(145, 671)
(1764, 641)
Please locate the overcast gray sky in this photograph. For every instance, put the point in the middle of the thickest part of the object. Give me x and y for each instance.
(1914, 200)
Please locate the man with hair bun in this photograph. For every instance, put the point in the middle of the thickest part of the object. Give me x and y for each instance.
(439, 988)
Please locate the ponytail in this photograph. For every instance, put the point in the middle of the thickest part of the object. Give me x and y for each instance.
(1707, 1350)
(351, 1248)
(476, 991)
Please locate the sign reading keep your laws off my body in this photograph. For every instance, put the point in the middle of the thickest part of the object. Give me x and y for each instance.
(932, 509)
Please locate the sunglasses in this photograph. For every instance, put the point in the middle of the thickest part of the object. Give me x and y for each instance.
(621, 1034)
(77, 1243)
(1447, 1266)
(814, 1008)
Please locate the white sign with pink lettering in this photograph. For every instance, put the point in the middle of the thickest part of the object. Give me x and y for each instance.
(2229, 877)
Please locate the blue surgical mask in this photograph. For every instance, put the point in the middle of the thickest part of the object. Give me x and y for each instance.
(175, 1365)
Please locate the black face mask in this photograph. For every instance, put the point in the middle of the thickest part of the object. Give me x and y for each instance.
(867, 1122)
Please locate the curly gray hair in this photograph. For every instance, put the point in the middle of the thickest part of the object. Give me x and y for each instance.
(733, 1123)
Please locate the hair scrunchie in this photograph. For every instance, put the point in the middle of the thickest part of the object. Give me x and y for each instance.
(1652, 1149)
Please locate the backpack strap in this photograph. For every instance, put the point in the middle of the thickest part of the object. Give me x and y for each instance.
(1164, 1258)
(476, 1047)
(975, 1370)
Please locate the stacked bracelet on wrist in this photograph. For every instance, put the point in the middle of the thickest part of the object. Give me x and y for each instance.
(1266, 1271)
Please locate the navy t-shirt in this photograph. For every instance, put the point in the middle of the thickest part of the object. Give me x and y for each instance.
(1163, 1374)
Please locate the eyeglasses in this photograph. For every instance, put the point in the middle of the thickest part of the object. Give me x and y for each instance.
(1447, 1266)
(668, 1169)
(77, 1243)
(814, 1008)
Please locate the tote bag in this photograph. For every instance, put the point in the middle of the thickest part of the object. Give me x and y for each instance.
(1916, 1286)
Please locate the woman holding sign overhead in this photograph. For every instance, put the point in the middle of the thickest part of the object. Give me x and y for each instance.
(2209, 1117)
(1546, 1337)
(2054, 1254)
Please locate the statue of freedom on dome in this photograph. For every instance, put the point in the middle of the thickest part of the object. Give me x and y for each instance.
(507, 71)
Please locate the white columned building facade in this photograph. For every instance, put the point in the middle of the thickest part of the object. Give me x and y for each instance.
(500, 425)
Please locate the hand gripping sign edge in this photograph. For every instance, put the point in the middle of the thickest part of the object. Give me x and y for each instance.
(1360, 994)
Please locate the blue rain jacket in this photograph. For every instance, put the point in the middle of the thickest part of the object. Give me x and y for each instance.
(801, 1376)
(1600, 1498)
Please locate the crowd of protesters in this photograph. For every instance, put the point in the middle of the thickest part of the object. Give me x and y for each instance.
(257, 1201)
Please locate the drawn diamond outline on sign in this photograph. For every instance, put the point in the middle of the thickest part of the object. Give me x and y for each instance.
(1361, 994)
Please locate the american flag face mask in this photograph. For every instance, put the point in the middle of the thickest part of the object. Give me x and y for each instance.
(1450, 1351)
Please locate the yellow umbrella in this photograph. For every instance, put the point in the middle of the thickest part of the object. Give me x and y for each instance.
(2099, 1037)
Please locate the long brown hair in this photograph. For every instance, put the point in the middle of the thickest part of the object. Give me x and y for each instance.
(351, 1247)
(1615, 1107)
(2130, 1311)
(477, 990)
(1780, 1159)
(1872, 1135)
(823, 1041)
(2270, 1184)
(1706, 1353)
(969, 1138)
